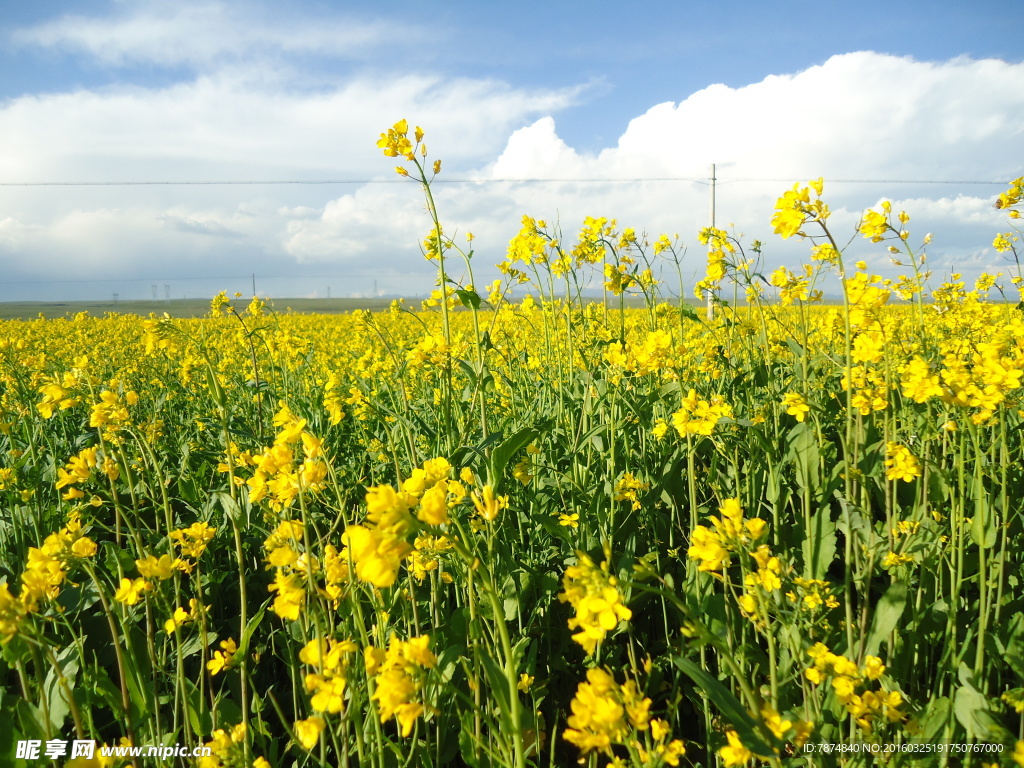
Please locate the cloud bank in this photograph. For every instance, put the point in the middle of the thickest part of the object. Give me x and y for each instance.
(855, 119)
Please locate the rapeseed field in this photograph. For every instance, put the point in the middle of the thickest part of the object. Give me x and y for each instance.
(496, 531)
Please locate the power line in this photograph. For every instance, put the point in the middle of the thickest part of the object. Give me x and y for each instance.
(876, 181)
(271, 182)
(312, 182)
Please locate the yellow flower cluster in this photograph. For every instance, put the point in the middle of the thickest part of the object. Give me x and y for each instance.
(759, 584)
(849, 683)
(735, 753)
(918, 381)
(327, 683)
(432, 349)
(1010, 199)
(58, 395)
(45, 571)
(278, 476)
(222, 659)
(594, 594)
(398, 677)
(1003, 242)
(793, 287)
(698, 416)
(795, 208)
(1015, 698)
(870, 390)
(795, 405)
(379, 547)
(983, 382)
(293, 568)
(529, 246)
(731, 533)
(868, 347)
(111, 412)
(605, 714)
(812, 595)
(895, 560)
(659, 352)
(488, 505)
(900, 463)
(180, 617)
(332, 399)
(589, 248)
(867, 294)
(151, 568)
(227, 750)
(79, 470)
(426, 556)
(874, 224)
(720, 248)
(396, 141)
(628, 488)
(194, 540)
(307, 732)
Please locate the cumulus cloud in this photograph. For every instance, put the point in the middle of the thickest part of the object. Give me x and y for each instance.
(869, 122)
(215, 125)
(217, 128)
(857, 115)
(855, 118)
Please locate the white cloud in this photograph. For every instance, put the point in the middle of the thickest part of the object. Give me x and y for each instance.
(534, 151)
(856, 116)
(860, 116)
(217, 128)
(215, 125)
(204, 34)
(351, 226)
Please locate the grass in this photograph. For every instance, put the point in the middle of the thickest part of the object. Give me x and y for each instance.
(28, 310)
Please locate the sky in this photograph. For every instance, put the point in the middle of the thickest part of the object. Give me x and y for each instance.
(555, 110)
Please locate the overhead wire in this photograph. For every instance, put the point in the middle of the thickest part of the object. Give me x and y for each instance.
(322, 182)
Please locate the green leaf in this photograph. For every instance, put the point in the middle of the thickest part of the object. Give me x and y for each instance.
(54, 693)
(199, 717)
(499, 688)
(983, 524)
(194, 643)
(728, 705)
(469, 299)
(138, 671)
(932, 720)
(972, 711)
(887, 614)
(229, 505)
(213, 384)
(448, 661)
(803, 452)
(250, 627)
(689, 314)
(502, 456)
(820, 544)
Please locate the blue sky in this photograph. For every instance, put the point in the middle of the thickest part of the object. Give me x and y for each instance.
(145, 91)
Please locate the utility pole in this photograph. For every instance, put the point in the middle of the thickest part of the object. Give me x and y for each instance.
(711, 306)
(253, 283)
